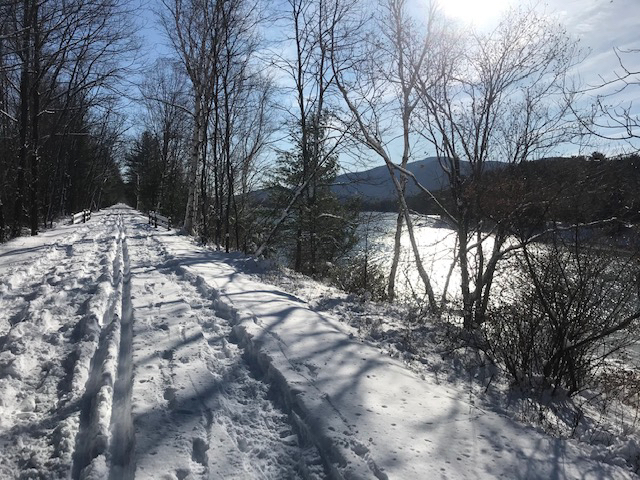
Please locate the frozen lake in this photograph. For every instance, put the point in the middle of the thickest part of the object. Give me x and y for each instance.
(436, 243)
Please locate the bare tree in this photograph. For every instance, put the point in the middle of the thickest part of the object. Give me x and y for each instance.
(241, 95)
(253, 130)
(611, 118)
(500, 98)
(377, 78)
(165, 96)
(568, 306)
(216, 43)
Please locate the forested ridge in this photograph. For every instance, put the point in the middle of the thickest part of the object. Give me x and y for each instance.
(577, 189)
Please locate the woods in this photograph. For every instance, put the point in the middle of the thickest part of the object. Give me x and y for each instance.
(60, 65)
(245, 120)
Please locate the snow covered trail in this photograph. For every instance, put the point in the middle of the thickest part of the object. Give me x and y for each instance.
(115, 366)
(198, 410)
(33, 264)
(128, 352)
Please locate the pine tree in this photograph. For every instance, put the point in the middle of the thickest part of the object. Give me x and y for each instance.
(144, 172)
(319, 228)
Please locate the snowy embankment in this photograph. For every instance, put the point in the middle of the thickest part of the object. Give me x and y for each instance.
(129, 352)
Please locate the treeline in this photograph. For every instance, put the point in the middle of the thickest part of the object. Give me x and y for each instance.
(212, 107)
(576, 189)
(60, 62)
(206, 122)
(573, 190)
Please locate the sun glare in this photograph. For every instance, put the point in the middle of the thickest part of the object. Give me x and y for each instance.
(476, 12)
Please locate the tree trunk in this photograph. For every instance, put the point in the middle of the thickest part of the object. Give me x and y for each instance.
(463, 257)
(298, 259)
(204, 233)
(2, 226)
(24, 122)
(433, 305)
(192, 199)
(35, 118)
(391, 286)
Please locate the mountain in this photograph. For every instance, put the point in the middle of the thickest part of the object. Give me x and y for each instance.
(375, 184)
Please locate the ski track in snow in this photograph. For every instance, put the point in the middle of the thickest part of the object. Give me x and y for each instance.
(130, 353)
(134, 374)
(47, 347)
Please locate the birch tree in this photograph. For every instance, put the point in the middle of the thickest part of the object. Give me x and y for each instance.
(191, 28)
(216, 43)
(241, 97)
(377, 78)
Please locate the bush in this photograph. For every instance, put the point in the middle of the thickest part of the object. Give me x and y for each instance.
(571, 307)
(360, 276)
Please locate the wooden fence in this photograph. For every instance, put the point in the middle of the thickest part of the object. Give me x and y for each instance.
(155, 218)
(81, 216)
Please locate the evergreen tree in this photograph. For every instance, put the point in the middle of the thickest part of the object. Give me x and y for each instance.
(144, 172)
(319, 228)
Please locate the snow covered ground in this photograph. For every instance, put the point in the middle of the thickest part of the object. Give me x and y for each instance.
(130, 352)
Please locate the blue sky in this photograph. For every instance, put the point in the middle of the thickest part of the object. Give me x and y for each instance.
(600, 26)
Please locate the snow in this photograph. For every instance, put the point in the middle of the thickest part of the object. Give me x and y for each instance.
(132, 352)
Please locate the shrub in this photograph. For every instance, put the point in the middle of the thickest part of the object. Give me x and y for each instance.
(360, 276)
(571, 307)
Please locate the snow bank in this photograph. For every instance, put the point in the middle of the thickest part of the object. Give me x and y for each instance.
(368, 414)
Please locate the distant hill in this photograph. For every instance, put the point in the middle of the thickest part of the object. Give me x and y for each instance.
(376, 184)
